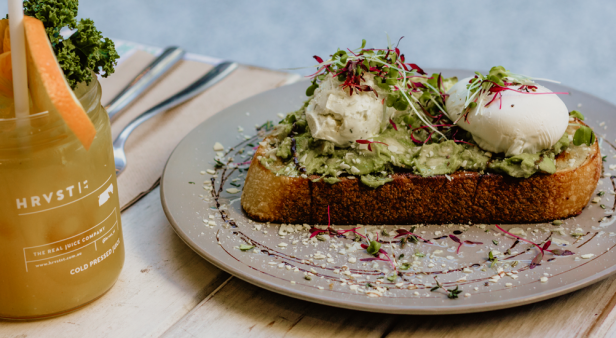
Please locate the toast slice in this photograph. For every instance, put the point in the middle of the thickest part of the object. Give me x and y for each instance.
(464, 196)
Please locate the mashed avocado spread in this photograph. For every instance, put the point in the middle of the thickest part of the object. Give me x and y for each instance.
(396, 152)
(407, 131)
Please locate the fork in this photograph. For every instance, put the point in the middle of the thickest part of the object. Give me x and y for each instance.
(148, 76)
(206, 81)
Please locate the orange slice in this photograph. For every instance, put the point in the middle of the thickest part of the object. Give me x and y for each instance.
(4, 29)
(48, 87)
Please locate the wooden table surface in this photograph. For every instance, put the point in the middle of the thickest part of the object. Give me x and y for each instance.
(166, 290)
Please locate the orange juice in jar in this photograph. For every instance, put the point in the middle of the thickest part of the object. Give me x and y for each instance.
(61, 243)
(60, 230)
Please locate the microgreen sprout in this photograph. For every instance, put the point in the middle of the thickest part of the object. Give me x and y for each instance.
(493, 259)
(393, 124)
(373, 248)
(457, 240)
(392, 74)
(451, 293)
(537, 260)
(316, 232)
(495, 83)
(410, 236)
(267, 126)
(218, 164)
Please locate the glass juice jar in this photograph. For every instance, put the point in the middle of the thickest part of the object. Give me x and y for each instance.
(61, 243)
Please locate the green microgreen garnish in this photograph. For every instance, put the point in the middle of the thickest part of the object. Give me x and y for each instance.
(602, 206)
(420, 254)
(267, 126)
(492, 259)
(404, 83)
(384, 233)
(451, 293)
(235, 184)
(191, 182)
(405, 266)
(604, 158)
(218, 164)
(392, 278)
(373, 248)
(601, 193)
(483, 90)
(495, 242)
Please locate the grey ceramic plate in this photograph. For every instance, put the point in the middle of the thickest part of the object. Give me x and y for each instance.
(342, 279)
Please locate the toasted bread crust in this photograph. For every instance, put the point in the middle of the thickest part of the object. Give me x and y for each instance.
(412, 199)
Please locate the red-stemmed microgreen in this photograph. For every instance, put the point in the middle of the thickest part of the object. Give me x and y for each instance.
(410, 235)
(369, 143)
(375, 249)
(391, 74)
(393, 124)
(457, 240)
(331, 232)
(498, 80)
(537, 260)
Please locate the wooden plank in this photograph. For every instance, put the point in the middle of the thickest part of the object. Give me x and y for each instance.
(239, 308)
(162, 280)
(605, 325)
(571, 315)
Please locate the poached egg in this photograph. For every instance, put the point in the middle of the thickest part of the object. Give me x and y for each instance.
(336, 116)
(520, 123)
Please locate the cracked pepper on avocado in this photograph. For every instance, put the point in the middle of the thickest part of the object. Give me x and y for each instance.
(369, 112)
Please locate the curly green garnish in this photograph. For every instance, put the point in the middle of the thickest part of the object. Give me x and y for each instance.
(83, 52)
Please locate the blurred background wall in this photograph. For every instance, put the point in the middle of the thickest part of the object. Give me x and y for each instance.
(570, 41)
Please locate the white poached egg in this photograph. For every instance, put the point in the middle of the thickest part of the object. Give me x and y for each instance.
(520, 123)
(336, 116)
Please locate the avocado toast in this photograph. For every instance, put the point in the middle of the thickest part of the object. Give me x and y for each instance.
(379, 141)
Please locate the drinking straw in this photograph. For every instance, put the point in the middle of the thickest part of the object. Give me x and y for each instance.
(18, 58)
